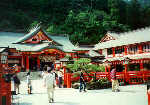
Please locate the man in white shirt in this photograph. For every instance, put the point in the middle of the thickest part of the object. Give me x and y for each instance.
(50, 83)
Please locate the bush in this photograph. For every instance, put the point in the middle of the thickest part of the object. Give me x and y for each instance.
(100, 84)
(76, 85)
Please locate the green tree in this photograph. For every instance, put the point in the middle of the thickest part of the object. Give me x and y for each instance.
(113, 5)
(134, 10)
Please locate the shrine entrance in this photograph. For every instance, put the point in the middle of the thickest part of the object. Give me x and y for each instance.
(33, 64)
(119, 68)
(46, 60)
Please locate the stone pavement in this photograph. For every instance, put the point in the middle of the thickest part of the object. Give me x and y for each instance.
(129, 95)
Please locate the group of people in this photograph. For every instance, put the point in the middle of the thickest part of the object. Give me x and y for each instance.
(17, 83)
(115, 83)
(50, 76)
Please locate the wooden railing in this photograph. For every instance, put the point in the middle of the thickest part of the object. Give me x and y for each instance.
(131, 77)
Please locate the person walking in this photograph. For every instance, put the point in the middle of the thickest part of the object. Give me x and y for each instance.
(60, 74)
(29, 83)
(115, 84)
(49, 83)
(82, 82)
(16, 83)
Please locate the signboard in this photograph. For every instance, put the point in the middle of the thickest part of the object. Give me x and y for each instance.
(47, 58)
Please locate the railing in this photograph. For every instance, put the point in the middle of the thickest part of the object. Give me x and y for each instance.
(131, 77)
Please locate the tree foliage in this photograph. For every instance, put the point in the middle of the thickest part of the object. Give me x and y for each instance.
(85, 21)
(85, 64)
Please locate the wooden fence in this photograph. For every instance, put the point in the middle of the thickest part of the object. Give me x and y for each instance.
(131, 77)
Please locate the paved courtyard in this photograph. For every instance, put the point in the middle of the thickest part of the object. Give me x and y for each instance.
(129, 95)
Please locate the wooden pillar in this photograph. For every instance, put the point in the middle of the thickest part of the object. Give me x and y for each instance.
(125, 72)
(54, 65)
(141, 66)
(148, 94)
(68, 80)
(113, 51)
(27, 62)
(109, 69)
(38, 63)
(126, 68)
(125, 50)
(105, 68)
(65, 82)
(140, 49)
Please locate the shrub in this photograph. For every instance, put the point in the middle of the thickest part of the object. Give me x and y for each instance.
(76, 85)
(100, 84)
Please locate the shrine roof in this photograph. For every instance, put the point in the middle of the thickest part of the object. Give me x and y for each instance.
(9, 39)
(93, 53)
(2, 49)
(28, 35)
(131, 57)
(67, 46)
(37, 47)
(84, 48)
(127, 38)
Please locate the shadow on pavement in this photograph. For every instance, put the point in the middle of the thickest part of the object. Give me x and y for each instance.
(66, 103)
(129, 91)
(21, 104)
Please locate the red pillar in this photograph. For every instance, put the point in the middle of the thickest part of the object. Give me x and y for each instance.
(65, 77)
(126, 67)
(125, 50)
(148, 94)
(105, 68)
(109, 69)
(38, 62)
(125, 72)
(27, 63)
(140, 49)
(141, 66)
(68, 80)
(113, 50)
(55, 66)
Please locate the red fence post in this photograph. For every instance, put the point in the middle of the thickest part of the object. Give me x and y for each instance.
(68, 80)
(148, 92)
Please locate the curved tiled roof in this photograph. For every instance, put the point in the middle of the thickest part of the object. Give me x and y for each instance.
(27, 36)
(13, 41)
(127, 38)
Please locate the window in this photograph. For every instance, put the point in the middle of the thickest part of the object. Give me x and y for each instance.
(119, 50)
(109, 51)
(134, 67)
(119, 68)
(146, 66)
(132, 49)
(146, 47)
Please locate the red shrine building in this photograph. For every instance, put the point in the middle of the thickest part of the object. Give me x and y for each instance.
(129, 52)
(37, 48)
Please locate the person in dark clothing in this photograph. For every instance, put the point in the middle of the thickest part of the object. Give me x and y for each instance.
(16, 82)
(82, 82)
(52, 66)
